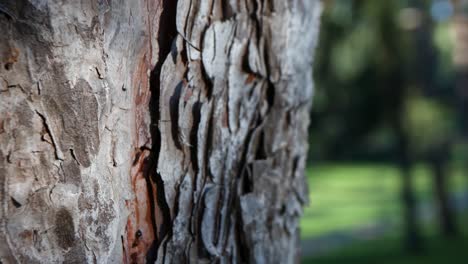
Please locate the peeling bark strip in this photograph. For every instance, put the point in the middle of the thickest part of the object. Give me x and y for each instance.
(154, 131)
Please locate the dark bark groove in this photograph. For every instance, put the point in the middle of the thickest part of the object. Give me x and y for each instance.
(165, 39)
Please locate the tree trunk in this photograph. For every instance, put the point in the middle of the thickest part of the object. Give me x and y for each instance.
(439, 150)
(142, 131)
(460, 59)
(413, 241)
(447, 216)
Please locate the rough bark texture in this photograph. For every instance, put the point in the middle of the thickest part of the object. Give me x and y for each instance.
(142, 131)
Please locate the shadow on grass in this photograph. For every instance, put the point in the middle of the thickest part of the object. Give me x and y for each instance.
(390, 251)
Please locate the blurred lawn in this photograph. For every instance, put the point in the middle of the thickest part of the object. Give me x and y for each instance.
(348, 196)
(389, 251)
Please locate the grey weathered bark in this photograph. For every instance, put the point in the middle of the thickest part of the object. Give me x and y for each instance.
(142, 131)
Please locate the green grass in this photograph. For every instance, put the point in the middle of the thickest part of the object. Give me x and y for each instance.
(348, 196)
(388, 250)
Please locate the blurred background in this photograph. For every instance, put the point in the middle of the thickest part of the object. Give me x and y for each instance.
(388, 166)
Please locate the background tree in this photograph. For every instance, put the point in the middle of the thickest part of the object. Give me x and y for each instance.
(367, 80)
(460, 59)
(385, 94)
(427, 111)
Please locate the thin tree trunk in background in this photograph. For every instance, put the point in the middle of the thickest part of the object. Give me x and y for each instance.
(142, 131)
(460, 58)
(446, 214)
(412, 237)
(394, 85)
(439, 152)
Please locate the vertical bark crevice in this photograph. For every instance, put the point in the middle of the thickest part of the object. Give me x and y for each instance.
(165, 38)
(244, 252)
(174, 113)
(196, 116)
(58, 152)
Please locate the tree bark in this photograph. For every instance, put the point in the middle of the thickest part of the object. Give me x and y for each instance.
(143, 131)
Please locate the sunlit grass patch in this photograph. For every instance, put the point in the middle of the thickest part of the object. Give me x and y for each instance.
(347, 196)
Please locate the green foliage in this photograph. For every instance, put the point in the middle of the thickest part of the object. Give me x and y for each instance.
(429, 123)
(443, 41)
(366, 67)
(351, 56)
